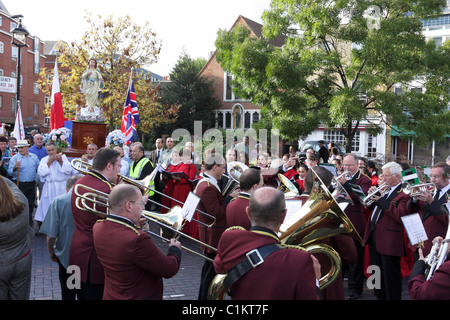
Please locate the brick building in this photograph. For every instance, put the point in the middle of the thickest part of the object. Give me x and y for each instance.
(32, 60)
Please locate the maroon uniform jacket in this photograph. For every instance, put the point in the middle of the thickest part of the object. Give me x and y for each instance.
(82, 251)
(437, 288)
(389, 228)
(134, 266)
(434, 220)
(236, 213)
(355, 211)
(286, 274)
(211, 202)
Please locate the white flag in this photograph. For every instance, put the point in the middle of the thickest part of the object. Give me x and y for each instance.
(19, 131)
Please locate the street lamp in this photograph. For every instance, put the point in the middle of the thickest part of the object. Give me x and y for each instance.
(19, 33)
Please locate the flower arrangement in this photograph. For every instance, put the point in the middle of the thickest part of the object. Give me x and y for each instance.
(116, 138)
(59, 138)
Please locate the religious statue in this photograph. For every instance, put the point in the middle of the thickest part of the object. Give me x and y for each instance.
(91, 86)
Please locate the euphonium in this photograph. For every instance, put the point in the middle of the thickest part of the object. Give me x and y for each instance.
(234, 169)
(319, 218)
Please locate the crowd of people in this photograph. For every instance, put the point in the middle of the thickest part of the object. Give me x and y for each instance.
(118, 259)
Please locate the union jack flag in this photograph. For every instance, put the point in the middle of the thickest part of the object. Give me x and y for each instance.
(130, 114)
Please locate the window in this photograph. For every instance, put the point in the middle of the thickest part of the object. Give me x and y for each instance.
(228, 120)
(37, 55)
(220, 119)
(255, 117)
(2, 47)
(371, 146)
(338, 137)
(13, 105)
(36, 109)
(247, 119)
(229, 94)
(36, 88)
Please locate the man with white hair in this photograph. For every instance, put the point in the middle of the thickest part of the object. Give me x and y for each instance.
(384, 233)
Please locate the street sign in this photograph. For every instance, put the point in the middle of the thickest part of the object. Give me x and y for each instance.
(8, 84)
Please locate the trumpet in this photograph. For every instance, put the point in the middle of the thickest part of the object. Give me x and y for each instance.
(339, 193)
(171, 223)
(382, 190)
(419, 189)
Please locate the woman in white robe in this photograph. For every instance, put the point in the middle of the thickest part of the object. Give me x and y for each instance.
(53, 170)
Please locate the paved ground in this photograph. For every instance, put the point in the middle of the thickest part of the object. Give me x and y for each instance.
(184, 286)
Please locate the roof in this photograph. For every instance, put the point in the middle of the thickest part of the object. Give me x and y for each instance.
(255, 28)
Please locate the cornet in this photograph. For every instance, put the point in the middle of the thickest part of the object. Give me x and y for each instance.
(339, 193)
(382, 190)
(419, 189)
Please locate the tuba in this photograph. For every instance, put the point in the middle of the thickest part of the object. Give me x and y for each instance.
(234, 169)
(289, 189)
(319, 218)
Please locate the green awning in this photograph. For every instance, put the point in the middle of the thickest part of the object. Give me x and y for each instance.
(396, 132)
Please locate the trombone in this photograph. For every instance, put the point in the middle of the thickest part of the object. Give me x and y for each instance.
(84, 167)
(171, 223)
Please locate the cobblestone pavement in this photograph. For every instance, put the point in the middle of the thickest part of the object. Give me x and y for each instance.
(183, 286)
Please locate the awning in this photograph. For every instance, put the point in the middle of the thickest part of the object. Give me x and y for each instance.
(396, 132)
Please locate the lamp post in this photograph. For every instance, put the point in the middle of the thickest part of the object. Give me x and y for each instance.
(19, 33)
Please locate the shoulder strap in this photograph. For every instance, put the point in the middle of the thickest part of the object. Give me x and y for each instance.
(252, 259)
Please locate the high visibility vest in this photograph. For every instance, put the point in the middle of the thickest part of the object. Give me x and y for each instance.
(135, 173)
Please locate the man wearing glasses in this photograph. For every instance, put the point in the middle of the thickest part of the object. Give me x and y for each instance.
(384, 233)
(134, 266)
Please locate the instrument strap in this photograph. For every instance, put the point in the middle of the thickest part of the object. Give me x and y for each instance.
(252, 259)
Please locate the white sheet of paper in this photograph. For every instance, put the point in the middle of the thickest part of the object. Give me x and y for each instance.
(414, 228)
(292, 206)
(189, 206)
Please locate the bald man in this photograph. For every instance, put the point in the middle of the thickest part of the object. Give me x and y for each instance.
(134, 266)
(237, 247)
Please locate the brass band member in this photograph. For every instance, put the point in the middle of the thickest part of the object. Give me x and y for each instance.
(300, 271)
(105, 168)
(134, 266)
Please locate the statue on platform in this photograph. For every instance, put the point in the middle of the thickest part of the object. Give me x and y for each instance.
(91, 86)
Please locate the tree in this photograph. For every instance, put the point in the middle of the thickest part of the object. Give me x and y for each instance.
(118, 46)
(192, 93)
(339, 64)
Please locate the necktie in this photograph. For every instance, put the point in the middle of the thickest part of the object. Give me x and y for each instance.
(436, 196)
(157, 156)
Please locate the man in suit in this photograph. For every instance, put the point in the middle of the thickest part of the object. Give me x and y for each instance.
(211, 202)
(435, 221)
(250, 180)
(156, 157)
(384, 233)
(300, 271)
(134, 266)
(105, 168)
(355, 213)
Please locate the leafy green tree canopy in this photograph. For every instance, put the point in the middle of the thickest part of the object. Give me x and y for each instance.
(339, 65)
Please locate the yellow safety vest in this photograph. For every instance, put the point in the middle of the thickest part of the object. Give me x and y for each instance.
(136, 172)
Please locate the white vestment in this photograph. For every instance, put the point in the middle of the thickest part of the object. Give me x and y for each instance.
(54, 178)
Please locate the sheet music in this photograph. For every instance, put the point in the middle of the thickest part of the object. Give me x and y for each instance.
(189, 206)
(414, 228)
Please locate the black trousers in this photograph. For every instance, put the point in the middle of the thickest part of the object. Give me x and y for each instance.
(207, 276)
(66, 293)
(29, 191)
(391, 275)
(356, 269)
